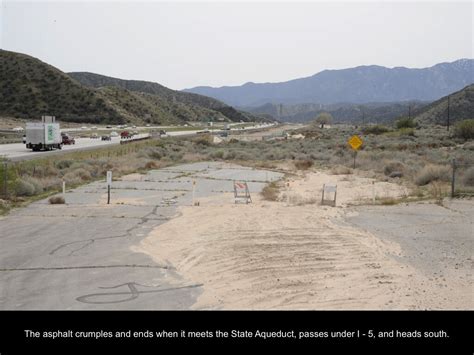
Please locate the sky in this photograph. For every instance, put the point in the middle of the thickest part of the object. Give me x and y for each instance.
(187, 44)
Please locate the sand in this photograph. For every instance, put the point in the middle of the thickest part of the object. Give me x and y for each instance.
(296, 255)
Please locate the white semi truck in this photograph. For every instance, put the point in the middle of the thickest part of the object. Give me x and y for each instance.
(44, 135)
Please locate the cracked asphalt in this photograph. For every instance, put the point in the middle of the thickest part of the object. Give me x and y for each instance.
(77, 255)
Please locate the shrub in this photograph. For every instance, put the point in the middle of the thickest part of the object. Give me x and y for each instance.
(219, 154)
(36, 184)
(270, 192)
(151, 165)
(82, 173)
(64, 164)
(56, 200)
(393, 166)
(468, 179)
(464, 129)
(24, 188)
(205, 140)
(341, 170)
(407, 132)
(405, 122)
(376, 129)
(303, 164)
(432, 173)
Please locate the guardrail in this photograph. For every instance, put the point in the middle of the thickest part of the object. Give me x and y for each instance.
(131, 140)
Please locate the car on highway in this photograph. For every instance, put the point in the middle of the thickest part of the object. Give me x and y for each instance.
(68, 140)
(114, 134)
(106, 138)
(94, 136)
(126, 135)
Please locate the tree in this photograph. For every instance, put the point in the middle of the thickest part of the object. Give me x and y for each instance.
(323, 118)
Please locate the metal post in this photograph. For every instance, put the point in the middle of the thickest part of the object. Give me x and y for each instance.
(453, 178)
(355, 154)
(5, 166)
(108, 194)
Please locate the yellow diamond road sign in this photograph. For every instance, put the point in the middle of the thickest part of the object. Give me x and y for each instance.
(355, 142)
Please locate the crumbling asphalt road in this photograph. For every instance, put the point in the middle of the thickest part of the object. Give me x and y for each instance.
(77, 255)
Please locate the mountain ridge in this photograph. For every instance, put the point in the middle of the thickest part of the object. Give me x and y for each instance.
(31, 88)
(361, 84)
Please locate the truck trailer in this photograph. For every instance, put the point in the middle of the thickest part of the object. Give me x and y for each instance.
(44, 135)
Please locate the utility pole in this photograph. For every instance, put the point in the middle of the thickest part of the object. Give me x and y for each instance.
(449, 99)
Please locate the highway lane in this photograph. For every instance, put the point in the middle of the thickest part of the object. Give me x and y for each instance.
(18, 151)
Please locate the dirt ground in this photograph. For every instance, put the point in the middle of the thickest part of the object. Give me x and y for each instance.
(297, 254)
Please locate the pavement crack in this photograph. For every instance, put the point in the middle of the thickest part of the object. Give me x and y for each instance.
(128, 233)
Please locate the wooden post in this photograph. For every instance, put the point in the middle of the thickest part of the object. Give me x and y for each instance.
(373, 192)
(288, 193)
(64, 187)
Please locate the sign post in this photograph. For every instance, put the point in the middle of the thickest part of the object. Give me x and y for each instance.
(109, 183)
(355, 142)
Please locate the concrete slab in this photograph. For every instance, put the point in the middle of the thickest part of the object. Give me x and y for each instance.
(77, 255)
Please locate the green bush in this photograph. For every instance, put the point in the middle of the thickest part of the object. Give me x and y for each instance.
(24, 188)
(464, 129)
(376, 129)
(405, 122)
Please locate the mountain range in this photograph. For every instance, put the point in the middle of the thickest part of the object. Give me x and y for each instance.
(363, 84)
(30, 88)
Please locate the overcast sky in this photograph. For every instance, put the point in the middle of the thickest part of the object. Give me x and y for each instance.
(182, 45)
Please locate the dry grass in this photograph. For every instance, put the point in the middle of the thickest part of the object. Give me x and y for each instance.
(271, 192)
(431, 173)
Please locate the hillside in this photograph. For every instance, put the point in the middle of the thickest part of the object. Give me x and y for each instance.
(354, 85)
(461, 107)
(30, 88)
(371, 112)
(165, 96)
